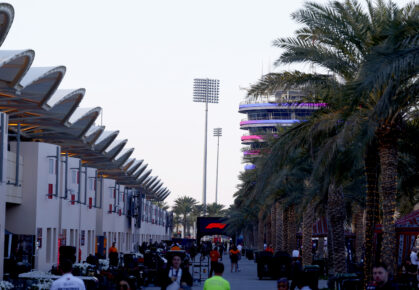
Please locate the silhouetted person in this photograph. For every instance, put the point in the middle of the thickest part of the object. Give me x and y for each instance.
(67, 280)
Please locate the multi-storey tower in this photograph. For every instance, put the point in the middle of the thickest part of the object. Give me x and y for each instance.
(266, 114)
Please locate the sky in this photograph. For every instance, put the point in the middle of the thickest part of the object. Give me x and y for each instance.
(137, 60)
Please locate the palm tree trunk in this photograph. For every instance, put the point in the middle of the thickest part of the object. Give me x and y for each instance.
(308, 219)
(336, 213)
(261, 228)
(358, 221)
(279, 224)
(255, 236)
(285, 225)
(184, 226)
(330, 258)
(268, 230)
(371, 209)
(387, 151)
(292, 229)
(273, 226)
(320, 248)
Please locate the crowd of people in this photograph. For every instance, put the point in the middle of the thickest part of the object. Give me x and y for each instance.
(177, 276)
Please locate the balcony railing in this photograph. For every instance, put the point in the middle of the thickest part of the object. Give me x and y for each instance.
(252, 138)
(252, 152)
(270, 122)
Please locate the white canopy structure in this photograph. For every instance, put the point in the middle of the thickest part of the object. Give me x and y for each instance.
(41, 111)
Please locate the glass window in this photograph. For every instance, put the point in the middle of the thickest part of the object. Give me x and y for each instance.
(51, 166)
(74, 176)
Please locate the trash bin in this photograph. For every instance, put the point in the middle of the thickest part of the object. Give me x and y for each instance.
(337, 281)
(250, 254)
(264, 264)
(281, 265)
(311, 275)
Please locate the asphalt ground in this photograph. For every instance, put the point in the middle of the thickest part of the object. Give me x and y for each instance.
(246, 278)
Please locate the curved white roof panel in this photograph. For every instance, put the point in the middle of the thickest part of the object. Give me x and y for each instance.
(128, 163)
(64, 103)
(104, 140)
(143, 177)
(134, 166)
(146, 180)
(151, 182)
(14, 64)
(82, 124)
(113, 150)
(7, 15)
(123, 156)
(137, 173)
(156, 186)
(93, 134)
(39, 83)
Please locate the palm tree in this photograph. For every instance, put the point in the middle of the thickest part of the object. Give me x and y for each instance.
(215, 210)
(183, 207)
(162, 204)
(342, 38)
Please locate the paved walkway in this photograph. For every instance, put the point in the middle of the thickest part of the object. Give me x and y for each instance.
(245, 279)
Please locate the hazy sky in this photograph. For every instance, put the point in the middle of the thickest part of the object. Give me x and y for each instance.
(137, 60)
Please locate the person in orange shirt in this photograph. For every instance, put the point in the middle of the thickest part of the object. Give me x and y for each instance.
(113, 249)
(269, 249)
(214, 256)
(113, 255)
(234, 257)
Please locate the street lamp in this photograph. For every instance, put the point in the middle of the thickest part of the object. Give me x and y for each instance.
(218, 132)
(205, 91)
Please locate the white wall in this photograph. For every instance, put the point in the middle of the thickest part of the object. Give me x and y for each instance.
(78, 219)
(39, 212)
(3, 139)
(59, 219)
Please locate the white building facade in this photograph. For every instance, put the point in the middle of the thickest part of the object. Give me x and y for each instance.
(83, 209)
(63, 179)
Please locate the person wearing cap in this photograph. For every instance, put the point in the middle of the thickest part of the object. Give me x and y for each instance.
(282, 284)
(217, 282)
(175, 247)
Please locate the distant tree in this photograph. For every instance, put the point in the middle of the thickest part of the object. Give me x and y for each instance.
(161, 204)
(183, 207)
(216, 210)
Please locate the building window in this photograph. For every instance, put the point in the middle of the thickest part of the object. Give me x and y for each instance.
(91, 186)
(49, 248)
(51, 166)
(74, 176)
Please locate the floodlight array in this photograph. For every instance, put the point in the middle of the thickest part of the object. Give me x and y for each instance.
(206, 90)
(218, 132)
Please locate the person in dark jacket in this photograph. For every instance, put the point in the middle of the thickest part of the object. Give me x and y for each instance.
(296, 272)
(381, 278)
(175, 277)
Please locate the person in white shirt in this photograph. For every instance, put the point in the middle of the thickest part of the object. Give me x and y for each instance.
(414, 256)
(67, 280)
(240, 247)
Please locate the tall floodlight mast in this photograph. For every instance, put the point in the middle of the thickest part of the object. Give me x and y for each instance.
(205, 91)
(218, 132)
